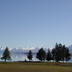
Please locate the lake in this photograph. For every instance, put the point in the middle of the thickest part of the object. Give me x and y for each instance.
(23, 57)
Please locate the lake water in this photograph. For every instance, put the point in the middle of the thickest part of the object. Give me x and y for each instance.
(20, 57)
(23, 57)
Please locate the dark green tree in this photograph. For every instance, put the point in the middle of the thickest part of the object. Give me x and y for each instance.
(30, 55)
(6, 55)
(64, 53)
(56, 53)
(49, 55)
(60, 53)
(67, 55)
(41, 55)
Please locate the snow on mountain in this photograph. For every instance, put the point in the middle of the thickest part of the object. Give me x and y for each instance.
(25, 50)
(22, 50)
(70, 48)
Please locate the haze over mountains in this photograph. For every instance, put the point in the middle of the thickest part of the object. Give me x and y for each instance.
(20, 54)
(70, 49)
(25, 50)
(22, 50)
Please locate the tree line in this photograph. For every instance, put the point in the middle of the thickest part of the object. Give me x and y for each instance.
(59, 53)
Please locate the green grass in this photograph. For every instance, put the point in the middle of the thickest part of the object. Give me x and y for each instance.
(35, 67)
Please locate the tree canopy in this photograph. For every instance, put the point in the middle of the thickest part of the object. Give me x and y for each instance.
(60, 53)
(6, 54)
(41, 55)
(30, 55)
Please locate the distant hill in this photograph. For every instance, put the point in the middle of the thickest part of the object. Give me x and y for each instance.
(25, 50)
(22, 50)
(70, 48)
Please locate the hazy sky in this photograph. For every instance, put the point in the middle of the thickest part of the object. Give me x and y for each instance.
(35, 23)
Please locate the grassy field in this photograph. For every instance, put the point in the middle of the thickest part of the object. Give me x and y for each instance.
(35, 67)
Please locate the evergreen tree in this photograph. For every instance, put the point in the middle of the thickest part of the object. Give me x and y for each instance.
(55, 53)
(30, 55)
(41, 55)
(63, 53)
(67, 55)
(60, 53)
(6, 55)
(49, 55)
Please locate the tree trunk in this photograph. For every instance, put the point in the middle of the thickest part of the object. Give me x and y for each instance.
(5, 60)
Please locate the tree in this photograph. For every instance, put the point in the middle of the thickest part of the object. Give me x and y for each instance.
(56, 53)
(53, 53)
(6, 55)
(49, 55)
(60, 53)
(64, 53)
(67, 55)
(41, 55)
(30, 55)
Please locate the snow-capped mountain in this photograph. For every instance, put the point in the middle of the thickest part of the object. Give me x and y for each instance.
(25, 50)
(22, 50)
(70, 48)
(19, 54)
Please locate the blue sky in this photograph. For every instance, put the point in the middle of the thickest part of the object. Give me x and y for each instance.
(35, 23)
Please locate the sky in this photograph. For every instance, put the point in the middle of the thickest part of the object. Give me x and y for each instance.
(35, 23)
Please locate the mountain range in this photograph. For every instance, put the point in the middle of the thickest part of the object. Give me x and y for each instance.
(25, 50)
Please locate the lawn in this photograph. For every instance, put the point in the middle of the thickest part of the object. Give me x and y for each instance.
(35, 67)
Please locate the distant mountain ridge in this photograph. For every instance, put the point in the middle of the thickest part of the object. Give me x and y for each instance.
(70, 48)
(25, 50)
(20, 50)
